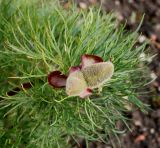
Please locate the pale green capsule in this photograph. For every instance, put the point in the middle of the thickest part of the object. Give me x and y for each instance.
(97, 74)
(91, 76)
(75, 84)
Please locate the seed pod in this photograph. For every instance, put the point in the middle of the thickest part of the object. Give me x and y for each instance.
(76, 83)
(97, 74)
(92, 73)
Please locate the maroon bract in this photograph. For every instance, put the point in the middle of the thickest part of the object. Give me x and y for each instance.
(14, 91)
(90, 59)
(57, 79)
(74, 68)
(86, 93)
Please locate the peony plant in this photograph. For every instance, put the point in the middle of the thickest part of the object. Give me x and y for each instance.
(44, 99)
(92, 73)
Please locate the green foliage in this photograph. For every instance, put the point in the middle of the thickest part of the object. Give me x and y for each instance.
(36, 38)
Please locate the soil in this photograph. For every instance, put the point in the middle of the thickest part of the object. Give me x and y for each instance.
(145, 128)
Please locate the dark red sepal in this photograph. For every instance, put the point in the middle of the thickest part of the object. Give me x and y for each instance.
(90, 59)
(57, 79)
(86, 93)
(74, 69)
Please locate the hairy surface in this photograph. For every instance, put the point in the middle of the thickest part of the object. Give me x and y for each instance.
(97, 74)
(76, 84)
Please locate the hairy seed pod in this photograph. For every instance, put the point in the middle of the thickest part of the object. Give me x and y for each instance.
(91, 73)
(97, 74)
(75, 84)
(80, 82)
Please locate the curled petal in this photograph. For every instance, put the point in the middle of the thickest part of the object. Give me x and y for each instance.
(57, 79)
(74, 69)
(90, 59)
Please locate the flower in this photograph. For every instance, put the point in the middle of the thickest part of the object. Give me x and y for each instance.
(92, 73)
